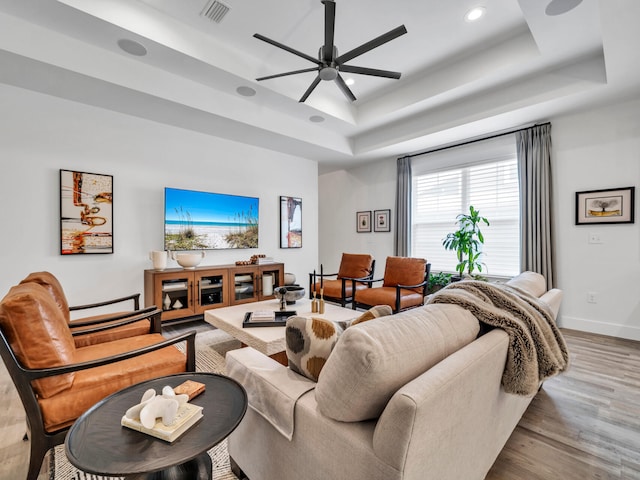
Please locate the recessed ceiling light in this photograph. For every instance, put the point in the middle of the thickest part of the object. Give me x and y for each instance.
(246, 91)
(316, 119)
(475, 14)
(349, 81)
(132, 47)
(558, 7)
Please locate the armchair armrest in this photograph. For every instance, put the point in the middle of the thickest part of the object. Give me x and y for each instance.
(152, 314)
(272, 388)
(189, 337)
(135, 298)
(318, 275)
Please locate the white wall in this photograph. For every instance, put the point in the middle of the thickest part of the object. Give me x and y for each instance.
(40, 134)
(596, 150)
(344, 193)
(591, 150)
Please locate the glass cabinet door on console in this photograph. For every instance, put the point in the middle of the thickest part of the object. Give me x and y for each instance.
(244, 282)
(173, 294)
(270, 277)
(211, 290)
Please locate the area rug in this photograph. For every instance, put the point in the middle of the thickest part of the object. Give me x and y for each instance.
(211, 346)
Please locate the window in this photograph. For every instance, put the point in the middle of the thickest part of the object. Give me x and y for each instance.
(440, 193)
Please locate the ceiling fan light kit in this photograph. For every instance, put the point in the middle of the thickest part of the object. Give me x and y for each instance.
(329, 64)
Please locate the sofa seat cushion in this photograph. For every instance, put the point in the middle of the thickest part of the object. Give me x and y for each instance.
(141, 327)
(333, 288)
(309, 342)
(373, 359)
(38, 334)
(387, 296)
(93, 384)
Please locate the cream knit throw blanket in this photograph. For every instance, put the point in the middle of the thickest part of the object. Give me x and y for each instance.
(537, 349)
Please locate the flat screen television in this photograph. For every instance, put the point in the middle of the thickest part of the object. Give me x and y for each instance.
(207, 221)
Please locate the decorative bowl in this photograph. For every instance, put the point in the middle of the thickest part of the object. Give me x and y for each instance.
(290, 293)
(188, 260)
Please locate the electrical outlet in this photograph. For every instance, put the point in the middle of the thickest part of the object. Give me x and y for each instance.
(591, 297)
(595, 238)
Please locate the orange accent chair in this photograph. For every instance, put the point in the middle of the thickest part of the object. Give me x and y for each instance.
(58, 381)
(354, 269)
(404, 285)
(98, 328)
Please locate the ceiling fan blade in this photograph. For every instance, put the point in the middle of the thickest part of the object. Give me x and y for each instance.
(288, 49)
(343, 86)
(311, 88)
(312, 69)
(369, 71)
(329, 28)
(370, 45)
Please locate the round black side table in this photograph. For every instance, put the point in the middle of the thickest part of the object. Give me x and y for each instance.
(98, 444)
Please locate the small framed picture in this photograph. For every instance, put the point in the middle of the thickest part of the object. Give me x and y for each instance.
(363, 220)
(290, 222)
(381, 220)
(613, 205)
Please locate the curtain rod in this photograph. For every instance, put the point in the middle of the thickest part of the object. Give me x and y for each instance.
(495, 135)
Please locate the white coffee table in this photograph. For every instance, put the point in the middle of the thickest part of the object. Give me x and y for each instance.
(269, 340)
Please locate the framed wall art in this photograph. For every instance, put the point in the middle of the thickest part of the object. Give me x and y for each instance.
(86, 213)
(290, 222)
(613, 205)
(363, 221)
(381, 220)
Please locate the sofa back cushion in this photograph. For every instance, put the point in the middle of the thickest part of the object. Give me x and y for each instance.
(38, 334)
(51, 283)
(530, 282)
(374, 359)
(355, 265)
(405, 271)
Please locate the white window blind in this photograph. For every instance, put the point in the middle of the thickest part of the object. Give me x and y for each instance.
(491, 186)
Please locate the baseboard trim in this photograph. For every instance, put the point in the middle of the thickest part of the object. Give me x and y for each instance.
(601, 328)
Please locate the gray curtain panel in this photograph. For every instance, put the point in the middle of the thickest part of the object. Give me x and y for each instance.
(534, 170)
(403, 208)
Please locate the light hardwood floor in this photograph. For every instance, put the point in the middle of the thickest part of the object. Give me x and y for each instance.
(582, 425)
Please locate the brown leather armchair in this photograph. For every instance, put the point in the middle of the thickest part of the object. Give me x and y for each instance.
(354, 269)
(57, 381)
(96, 329)
(404, 285)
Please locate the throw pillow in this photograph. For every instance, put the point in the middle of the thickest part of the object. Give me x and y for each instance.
(309, 341)
(373, 312)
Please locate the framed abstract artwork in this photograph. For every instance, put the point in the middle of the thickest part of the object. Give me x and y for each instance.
(613, 205)
(363, 221)
(382, 220)
(290, 222)
(86, 213)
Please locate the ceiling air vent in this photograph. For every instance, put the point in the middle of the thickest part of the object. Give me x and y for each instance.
(214, 11)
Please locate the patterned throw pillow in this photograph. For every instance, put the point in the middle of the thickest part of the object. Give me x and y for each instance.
(373, 312)
(309, 342)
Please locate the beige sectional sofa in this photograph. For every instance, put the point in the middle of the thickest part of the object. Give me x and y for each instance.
(416, 395)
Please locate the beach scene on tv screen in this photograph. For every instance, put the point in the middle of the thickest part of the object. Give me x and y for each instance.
(205, 221)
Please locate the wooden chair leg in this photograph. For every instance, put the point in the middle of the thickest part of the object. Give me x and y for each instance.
(37, 454)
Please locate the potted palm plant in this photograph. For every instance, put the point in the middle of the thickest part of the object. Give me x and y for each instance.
(467, 241)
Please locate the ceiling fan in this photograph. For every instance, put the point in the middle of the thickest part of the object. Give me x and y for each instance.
(329, 64)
